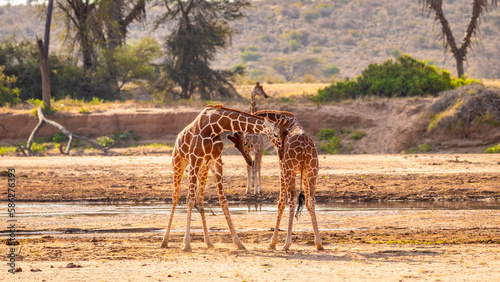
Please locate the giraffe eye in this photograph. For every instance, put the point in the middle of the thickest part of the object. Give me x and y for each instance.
(276, 135)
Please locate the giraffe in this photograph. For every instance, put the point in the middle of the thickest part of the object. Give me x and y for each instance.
(199, 148)
(255, 146)
(297, 153)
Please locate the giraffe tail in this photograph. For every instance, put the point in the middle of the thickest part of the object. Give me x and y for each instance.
(302, 198)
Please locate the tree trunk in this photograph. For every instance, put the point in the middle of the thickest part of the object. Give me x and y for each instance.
(460, 66)
(44, 67)
(48, 21)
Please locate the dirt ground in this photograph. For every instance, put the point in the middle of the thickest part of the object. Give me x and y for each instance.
(360, 245)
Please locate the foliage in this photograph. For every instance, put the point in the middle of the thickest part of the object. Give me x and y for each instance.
(310, 16)
(293, 66)
(66, 77)
(326, 133)
(59, 138)
(356, 135)
(7, 149)
(424, 148)
(199, 29)
(331, 70)
(494, 149)
(405, 77)
(8, 95)
(105, 141)
(135, 62)
(250, 54)
(332, 146)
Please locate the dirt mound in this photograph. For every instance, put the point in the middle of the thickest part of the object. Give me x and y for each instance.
(465, 117)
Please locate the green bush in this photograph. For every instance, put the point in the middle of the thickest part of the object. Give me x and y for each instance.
(331, 70)
(59, 138)
(294, 45)
(326, 133)
(424, 148)
(404, 77)
(316, 50)
(356, 135)
(310, 16)
(249, 56)
(8, 95)
(494, 149)
(332, 146)
(105, 141)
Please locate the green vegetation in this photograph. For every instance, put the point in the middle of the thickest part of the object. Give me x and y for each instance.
(8, 95)
(250, 54)
(356, 135)
(405, 77)
(494, 149)
(425, 148)
(326, 133)
(7, 149)
(331, 143)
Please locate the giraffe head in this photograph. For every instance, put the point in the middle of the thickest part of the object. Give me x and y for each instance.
(276, 135)
(240, 141)
(279, 134)
(258, 90)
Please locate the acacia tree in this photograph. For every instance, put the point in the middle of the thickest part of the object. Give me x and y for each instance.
(458, 52)
(200, 28)
(99, 28)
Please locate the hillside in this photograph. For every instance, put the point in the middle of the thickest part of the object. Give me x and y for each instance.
(348, 34)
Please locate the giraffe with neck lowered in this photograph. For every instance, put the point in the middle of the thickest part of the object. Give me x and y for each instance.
(199, 148)
(255, 146)
(297, 153)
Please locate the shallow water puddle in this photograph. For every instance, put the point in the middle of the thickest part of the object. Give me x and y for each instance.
(352, 209)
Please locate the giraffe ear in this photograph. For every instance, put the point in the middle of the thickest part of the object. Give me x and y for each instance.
(257, 84)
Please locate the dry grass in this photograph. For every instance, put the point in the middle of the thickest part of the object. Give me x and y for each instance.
(284, 89)
(491, 82)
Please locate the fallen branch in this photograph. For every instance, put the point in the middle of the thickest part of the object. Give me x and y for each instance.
(42, 120)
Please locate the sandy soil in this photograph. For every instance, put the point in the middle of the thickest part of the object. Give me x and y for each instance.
(388, 245)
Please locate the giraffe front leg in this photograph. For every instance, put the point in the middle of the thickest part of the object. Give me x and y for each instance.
(179, 167)
(249, 177)
(281, 208)
(223, 202)
(201, 189)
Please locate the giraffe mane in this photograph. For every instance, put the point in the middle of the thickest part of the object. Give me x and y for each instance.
(220, 107)
(264, 112)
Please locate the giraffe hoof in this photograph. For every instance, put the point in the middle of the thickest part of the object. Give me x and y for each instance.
(241, 247)
(186, 249)
(164, 245)
(319, 248)
(272, 247)
(210, 245)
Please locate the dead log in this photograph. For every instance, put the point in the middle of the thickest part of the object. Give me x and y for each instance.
(42, 120)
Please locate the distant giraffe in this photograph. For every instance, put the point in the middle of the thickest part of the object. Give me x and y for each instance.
(255, 146)
(297, 153)
(199, 148)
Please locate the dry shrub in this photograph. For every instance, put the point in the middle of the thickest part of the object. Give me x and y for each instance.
(465, 107)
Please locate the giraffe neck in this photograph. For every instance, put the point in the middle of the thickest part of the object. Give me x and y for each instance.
(221, 120)
(253, 106)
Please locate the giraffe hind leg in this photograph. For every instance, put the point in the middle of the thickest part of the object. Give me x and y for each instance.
(202, 180)
(309, 183)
